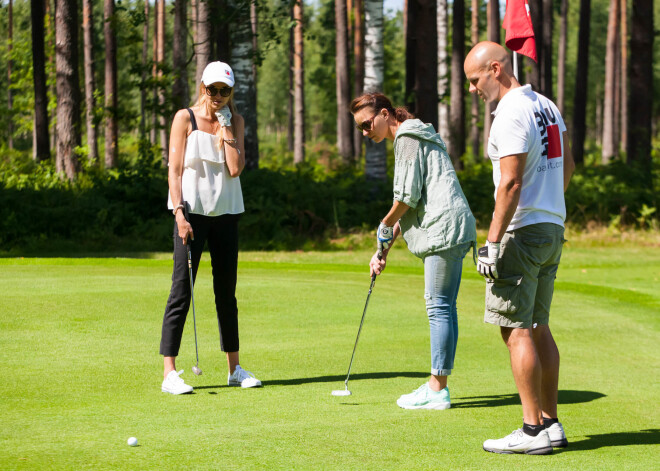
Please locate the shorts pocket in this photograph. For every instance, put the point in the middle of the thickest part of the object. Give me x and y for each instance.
(503, 295)
(537, 242)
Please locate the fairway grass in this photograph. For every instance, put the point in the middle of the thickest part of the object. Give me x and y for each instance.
(81, 372)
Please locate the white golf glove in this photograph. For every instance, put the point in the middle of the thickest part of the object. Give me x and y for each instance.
(487, 261)
(384, 236)
(224, 116)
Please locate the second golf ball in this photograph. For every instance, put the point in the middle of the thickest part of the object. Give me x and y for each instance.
(132, 441)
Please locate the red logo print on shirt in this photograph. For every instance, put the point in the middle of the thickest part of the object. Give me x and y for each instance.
(554, 142)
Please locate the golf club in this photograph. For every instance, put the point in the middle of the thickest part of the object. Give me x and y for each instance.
(345, 391)
(195, 369)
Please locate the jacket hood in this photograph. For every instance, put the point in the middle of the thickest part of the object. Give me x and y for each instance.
(420, 130)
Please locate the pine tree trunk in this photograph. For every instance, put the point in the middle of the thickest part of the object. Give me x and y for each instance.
(244, 89)
(536, 74)
(111, 134)
(143, 75)
(456, 141)
(358, 82)
(547, 49)
(640, 105)
(624, 76)
(41, 134)
(180, 92)
(609, 144)
(581, 76)
(342, 72)
(298, 75)
(474, 111)
(10, 37)
(90, 102)
(162, 118)
(493, 13)
(443, 69)
(68, 87)
(291, 104)
(561, 55)
(203, 40)
(421, 60)
(153, 135)
(375, 156)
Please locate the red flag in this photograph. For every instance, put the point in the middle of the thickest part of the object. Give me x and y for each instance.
(518, 26)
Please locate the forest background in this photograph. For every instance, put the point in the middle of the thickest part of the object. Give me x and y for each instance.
(91, 87)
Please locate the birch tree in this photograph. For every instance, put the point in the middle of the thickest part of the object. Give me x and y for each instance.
(375, 158)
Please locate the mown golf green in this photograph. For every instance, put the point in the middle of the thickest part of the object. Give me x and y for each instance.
(81, 371)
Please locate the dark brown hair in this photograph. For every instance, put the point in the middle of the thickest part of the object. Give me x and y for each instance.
(378, 101)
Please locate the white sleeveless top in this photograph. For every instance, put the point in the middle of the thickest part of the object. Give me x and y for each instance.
(206, 184)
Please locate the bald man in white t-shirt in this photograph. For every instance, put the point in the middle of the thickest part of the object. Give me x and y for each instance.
(532, 165)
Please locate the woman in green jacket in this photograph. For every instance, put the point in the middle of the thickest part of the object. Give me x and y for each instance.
(432, 213)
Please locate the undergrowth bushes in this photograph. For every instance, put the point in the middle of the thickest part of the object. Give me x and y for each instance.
(126, 210)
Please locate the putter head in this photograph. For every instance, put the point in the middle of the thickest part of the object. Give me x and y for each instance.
(196, 370)
(341, 392)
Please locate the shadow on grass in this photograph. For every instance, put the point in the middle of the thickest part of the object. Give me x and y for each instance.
(333, 379)
(593, 442)
(565, 397)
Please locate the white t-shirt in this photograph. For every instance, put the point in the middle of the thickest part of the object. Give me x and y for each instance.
(206, 184)
(528, 122)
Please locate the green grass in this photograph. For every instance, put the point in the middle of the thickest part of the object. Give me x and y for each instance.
(81, 371)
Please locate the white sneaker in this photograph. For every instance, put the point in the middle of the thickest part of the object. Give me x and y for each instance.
(425, 398)
(519, 442)
(242, 378)
(173, 384)
(557, 435)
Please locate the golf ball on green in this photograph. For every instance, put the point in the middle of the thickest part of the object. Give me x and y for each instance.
(132, 441)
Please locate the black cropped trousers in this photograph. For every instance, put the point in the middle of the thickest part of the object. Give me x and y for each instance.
(221, 233)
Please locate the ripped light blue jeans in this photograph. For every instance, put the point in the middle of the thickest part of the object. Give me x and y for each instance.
(442, 278)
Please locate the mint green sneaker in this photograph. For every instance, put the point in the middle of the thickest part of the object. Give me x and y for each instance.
(425, 398)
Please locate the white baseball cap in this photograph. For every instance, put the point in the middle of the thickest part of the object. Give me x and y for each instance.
(218, 72)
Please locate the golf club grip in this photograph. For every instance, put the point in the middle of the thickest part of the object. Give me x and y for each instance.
(373, 277)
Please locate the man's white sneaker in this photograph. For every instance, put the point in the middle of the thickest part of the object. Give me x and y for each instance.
(242, 378)
(519, 442)
(173, 384)
(557, 435)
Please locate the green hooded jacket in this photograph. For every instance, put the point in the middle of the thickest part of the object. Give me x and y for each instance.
(439, 217)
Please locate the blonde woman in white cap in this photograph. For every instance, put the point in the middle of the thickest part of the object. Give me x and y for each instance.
(205, 161)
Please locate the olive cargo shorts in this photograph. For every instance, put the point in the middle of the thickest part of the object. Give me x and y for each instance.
(527, 267)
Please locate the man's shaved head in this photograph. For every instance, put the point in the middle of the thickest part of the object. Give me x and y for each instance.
(483, 54)
(489, 71)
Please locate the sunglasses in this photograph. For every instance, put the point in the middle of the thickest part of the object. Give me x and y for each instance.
(212, 91)
(368, 124)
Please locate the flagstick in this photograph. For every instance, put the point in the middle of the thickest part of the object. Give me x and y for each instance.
(515, 64)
